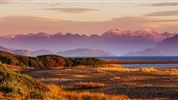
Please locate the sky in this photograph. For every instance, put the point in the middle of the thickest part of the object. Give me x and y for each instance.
(86, 16)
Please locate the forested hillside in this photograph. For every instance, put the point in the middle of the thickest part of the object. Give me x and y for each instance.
(47, 61)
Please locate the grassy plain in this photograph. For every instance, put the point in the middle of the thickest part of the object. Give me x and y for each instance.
(17, 86)
(136, 83)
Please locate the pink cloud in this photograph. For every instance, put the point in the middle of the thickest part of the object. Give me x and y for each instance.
(163, 13)
(4, 1)
(72, 10)
(165, 4)
(27, 24)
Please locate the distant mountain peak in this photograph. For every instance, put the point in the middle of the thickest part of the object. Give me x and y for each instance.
(84, 52)
(116, 30)
(116, 40)
(145, 33)
(58, 34)
(21, 52)
(42, 34)
(41, 52)
(168, 35)
(148, 30)
(113, 32)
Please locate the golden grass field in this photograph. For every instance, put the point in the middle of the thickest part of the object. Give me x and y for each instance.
(134, 83)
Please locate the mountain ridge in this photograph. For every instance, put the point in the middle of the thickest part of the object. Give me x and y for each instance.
(109, 41)
(79, 52)
(166, 47)
(84, 52)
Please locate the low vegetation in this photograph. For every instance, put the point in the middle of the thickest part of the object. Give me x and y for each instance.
(88, 62)
(136, 83)
(87, 85)
(48, 61)
(101, 80)
(85, 95)
(18, 86)
(148, 69)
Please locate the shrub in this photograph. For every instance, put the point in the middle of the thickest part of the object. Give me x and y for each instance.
(89, 62)
(52, 61)
(84, 95)
(88, 85)
(16, 84)
(49, 61)
(147, 69)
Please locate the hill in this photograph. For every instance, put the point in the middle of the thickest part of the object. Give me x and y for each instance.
(47, 61)
(42, 62)
(41, 52)
(16, 86)
(19, 86)
(145, 52)
(84, 52)
(16, 51)
(80, 52)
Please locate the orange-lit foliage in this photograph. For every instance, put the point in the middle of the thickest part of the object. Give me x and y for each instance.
(85, 95)
(88, 85)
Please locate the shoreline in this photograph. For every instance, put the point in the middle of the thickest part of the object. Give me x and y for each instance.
(143, 61)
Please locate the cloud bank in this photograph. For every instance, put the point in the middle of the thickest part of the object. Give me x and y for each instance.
(71, 10)
(31, 24)
(165, 4)
(163, 13)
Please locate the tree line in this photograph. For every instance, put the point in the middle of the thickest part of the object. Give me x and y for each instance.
(48, 61)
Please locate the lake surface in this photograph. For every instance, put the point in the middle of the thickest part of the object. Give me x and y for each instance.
(145, 58)
(150, 65)
(142, 58)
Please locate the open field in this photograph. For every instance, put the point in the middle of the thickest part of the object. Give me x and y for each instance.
(135, 83)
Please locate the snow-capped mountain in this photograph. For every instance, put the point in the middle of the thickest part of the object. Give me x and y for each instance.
(116, 41)
(142, 33)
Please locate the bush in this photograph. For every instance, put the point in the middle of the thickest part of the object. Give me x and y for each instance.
(15, 85)
(88, 85)
(89, 62)
(147, 69)
(84, 95)
(52, 61)
(49, 61)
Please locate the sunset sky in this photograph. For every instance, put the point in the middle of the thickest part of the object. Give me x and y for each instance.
(86, 16)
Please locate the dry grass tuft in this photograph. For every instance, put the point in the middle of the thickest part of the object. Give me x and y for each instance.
(120, 69)
(54, 88)
(148, 69)
(87, 85)
(92, 96)
(84, 95)
(81, 66)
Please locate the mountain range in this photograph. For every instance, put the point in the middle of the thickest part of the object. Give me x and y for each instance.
(84, 52)
(80, 52)
(167, 47)
(116, 41)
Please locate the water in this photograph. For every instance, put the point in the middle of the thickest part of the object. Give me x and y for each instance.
(150, 65)
(145, 58)
(141, 58)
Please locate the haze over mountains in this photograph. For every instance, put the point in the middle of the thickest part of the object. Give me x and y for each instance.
(167, 47)
(82, 52)
(115, 41)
